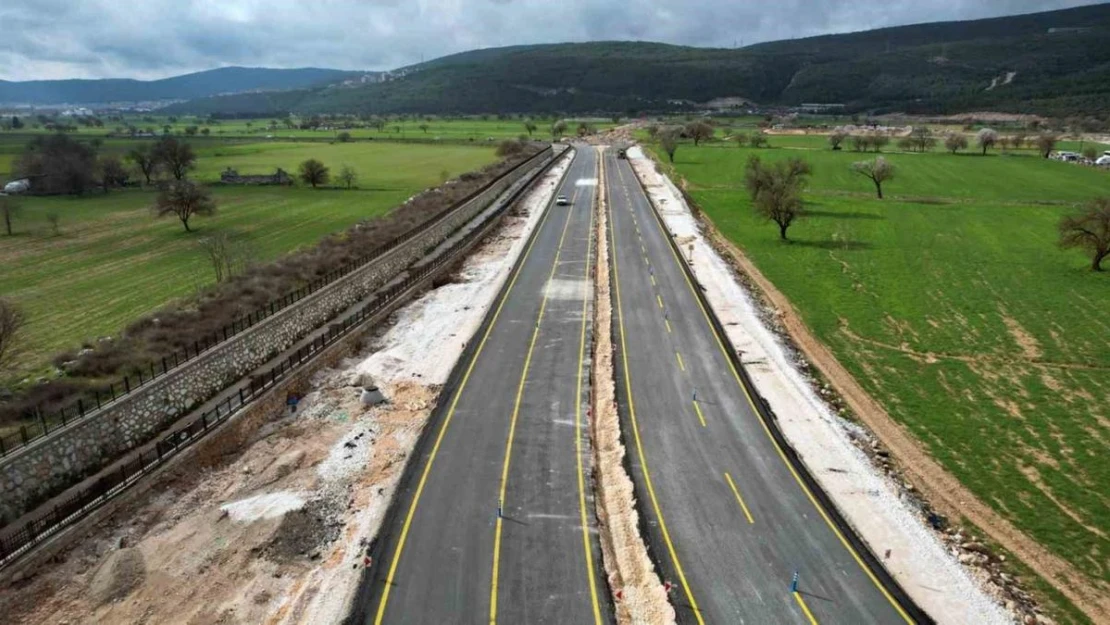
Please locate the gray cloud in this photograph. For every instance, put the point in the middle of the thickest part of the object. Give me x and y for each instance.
(156, 38)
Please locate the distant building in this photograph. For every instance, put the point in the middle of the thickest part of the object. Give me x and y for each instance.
(278, 178)
(811, 107)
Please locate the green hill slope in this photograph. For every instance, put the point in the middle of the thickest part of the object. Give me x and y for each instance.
(199, 84)
(1054, 63)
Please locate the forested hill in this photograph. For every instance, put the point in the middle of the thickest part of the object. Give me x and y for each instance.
(1056, 63)
(207, 83)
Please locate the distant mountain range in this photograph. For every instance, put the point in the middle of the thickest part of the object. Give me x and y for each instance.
(1053, 63)
(225, 80)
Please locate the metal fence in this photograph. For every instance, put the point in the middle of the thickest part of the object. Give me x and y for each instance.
(46, 423)
(68, 512)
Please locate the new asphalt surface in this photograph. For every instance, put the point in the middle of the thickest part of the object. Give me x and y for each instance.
(497, 523)
(729, 520)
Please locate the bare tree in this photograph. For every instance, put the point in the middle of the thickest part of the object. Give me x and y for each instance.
(558, 128)
(652, 130)
(921, 138)
(878, 140)
(1090, 153)
(859, 142)
(314, 172)
(184, 199)
(955, 141)
(741, 139)
(878, 170)
(530, 126)
(54, 220)
(145, 159)
(344, 137)
(1046, 143)
(176, 156)
(1018, 140)
(112, 172)
(229, 254)
(11, 322)
(9, 208)
(585, 128)
(668, 140)
(1089, 230)
(776, 189)
(986, 139)
(699, 131)
(348, 176)
(757, 140)
(424, 127)
(836, 137)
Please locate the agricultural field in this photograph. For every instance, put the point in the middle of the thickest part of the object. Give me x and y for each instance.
(111, 261)
(951, 303)
(407, 128)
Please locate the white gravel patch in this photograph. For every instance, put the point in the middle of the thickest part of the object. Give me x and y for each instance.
(348, 457)
(431, 333)
(266, 506)
(864, 495)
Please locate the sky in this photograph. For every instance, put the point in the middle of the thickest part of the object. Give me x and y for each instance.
(50, 39)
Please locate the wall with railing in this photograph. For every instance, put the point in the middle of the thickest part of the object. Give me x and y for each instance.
(34, 467)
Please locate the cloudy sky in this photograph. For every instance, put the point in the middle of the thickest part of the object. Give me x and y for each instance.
(158, 38)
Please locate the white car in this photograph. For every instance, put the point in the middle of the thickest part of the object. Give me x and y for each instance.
(1103, 161)
(561, 200)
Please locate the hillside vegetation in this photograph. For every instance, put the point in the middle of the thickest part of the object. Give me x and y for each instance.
(200, 84)
(1055, 63)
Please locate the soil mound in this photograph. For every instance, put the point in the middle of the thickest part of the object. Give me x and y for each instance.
(122, 571)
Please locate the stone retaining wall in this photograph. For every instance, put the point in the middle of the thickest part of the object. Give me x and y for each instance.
(67, 455)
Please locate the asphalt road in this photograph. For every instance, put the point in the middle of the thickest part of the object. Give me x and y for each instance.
(729, 521)
(512, 435)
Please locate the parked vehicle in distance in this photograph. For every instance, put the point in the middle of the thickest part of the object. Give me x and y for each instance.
(1103, 161)
(562, 200)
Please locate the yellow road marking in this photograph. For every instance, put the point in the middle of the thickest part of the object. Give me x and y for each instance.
(636, 435)
(447, 422)
(578, 429)
(659, 298)
(680, 364)
(739, 499)
(513, 420)
(805, 608)
(668, 322)
(797, 478)
(701, 417)
(652, 279)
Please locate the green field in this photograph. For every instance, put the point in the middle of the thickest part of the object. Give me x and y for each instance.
(950, 302)
(466, 129)
(113, 261)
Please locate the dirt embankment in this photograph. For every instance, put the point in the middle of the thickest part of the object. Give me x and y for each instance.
(637, 589)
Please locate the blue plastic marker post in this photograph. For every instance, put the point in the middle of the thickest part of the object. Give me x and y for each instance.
(794, 583)
(499, 515)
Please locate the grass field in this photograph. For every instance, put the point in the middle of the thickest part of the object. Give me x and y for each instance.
(113, 261)
(951, 304)
(446, 129)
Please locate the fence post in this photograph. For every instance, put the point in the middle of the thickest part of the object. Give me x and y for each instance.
(23, 432)
(152, 374)
(240, 396)
(80, 407)
(164, 364)
(127, 383)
